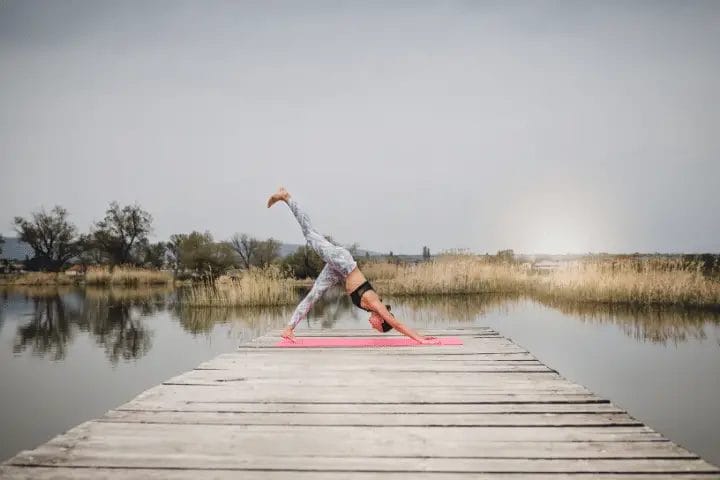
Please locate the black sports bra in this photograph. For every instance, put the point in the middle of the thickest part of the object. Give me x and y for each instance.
(357, 294)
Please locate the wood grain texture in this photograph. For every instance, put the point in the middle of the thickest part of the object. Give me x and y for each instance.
(486, 409)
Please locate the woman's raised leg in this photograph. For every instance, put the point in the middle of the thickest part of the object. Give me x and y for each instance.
(334, 255)
(327, 278)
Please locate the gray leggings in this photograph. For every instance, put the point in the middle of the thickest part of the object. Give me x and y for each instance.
(338, 263)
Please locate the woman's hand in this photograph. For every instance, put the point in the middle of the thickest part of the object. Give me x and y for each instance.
(425, 340)
(376, 321)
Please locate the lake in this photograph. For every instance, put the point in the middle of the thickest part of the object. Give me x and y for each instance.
(68, 355)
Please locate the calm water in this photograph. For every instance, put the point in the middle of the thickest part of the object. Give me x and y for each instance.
(67, 356)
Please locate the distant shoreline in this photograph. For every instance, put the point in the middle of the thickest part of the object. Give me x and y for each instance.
(628, 281)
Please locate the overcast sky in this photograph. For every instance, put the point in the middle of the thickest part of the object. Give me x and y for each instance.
(538, 126)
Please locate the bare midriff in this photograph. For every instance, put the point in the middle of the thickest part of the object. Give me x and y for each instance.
(354, 280)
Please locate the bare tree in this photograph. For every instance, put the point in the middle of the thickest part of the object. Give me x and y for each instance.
(201, 254)
(51, 236)
(121, 231)
(174, 251)
(246, 247)
(267, 251)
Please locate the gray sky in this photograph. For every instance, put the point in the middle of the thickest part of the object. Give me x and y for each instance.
(538, 126)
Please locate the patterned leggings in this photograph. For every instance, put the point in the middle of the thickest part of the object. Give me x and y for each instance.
(338, 263)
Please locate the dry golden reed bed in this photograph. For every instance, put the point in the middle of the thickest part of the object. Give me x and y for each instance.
(96, 276)
(661, 281)
(127, 276)
(255, 287)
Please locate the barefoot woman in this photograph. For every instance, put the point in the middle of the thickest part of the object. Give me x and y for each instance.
(340, 267)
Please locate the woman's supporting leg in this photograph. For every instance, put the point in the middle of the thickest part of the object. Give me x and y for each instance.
(338, 257)
(327, 278)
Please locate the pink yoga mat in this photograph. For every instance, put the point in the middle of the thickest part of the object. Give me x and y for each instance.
(310, 342)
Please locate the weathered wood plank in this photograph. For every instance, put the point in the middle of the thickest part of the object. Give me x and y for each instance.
(361, 354)
(501, 380)
(485, 409)
(373, 419)
(145, 459)
(387, 408)
(121, 440)
(410, 441)
(359, 363)
(226, 392)
(263, 366)
(369, 332)
(408, 350)
(63, 473)
(374, 373)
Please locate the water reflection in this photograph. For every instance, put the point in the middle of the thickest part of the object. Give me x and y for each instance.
(440, 311)
(113, 317)
(51, 317)
(246, 323)
(654, 324)
(49, 329)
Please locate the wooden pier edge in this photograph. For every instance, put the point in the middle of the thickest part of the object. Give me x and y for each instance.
(486, 409)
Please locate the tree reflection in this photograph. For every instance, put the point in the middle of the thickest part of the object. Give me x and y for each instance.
(48, 331)
(113, 317)
(246, 323)
(117, 327)
(3, 302)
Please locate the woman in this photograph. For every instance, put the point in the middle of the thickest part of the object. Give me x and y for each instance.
(340, 267)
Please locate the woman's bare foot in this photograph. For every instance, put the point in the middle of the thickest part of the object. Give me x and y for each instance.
(281, 194)
(288, 333)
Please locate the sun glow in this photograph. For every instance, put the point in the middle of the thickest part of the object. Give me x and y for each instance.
(554, 225)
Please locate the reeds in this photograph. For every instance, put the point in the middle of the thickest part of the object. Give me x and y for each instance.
(643, 282)
(652, 282)
(448, 275)
(40, 278)
(126, 276)
(254, 287)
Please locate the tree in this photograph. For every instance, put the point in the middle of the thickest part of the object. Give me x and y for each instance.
(254, 252)
(246, 247)
(173, 249)
(506, 255)
(426, 252)
(89, 251)
(304, 263)
(121, 231)
(2, 241)
(154, 254)
(267, 251)
(51, 236)
(199, 252)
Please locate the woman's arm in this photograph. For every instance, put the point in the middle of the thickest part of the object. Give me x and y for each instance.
(378, 307)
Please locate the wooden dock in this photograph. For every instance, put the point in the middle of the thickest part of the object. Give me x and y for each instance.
(487, 409)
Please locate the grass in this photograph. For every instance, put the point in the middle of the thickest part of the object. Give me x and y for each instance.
(624, 281)
(38, 279)
(126, 276)
(254, 287)
(96, 276)
(631, 281)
